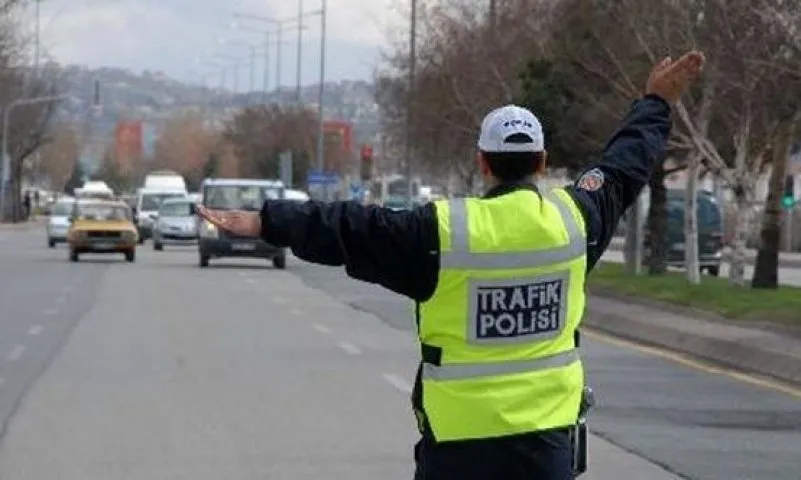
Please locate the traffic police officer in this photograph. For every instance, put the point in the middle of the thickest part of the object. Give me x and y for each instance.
(498, 282)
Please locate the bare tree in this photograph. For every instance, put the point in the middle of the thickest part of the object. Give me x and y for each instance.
(465, 67)
(58, 157)
(28, 124)
(260, 134)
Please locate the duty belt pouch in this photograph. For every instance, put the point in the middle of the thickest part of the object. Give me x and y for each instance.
(578, 434)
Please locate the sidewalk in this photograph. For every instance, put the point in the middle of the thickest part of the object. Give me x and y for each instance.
(8, 226)
(786, 259)
(760, 348)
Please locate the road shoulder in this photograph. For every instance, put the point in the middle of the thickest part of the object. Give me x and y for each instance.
(760, 348)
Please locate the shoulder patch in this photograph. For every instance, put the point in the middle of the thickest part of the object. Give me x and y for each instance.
(591, 181)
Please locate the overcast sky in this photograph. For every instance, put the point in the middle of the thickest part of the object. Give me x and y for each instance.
(183, 37)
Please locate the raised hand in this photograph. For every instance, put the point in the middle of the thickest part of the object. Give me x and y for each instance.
(670, 79)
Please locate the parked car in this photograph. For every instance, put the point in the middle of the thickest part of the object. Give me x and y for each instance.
(710, 231)
(175, 223)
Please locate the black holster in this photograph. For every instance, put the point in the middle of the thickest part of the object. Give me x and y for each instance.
(579, 434)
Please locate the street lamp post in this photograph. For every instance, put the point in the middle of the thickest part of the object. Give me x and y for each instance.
(280, 31)
(235, 67)
(37, 42)
(409, 101)
(320, 95)
(6, 176)
(300, 52)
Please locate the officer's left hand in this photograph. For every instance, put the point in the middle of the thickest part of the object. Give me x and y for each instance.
(238, 222)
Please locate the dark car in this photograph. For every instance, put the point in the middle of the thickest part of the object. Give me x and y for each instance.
(710, 231)
(237, 194)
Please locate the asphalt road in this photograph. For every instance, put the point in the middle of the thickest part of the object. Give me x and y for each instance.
(161, 370)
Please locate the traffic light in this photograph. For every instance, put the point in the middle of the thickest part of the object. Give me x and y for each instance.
(366, 155)
(788, 197)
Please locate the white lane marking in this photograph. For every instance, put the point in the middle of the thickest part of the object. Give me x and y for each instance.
(16, 353)
(251, 281)
(349, 348)
(321, 328)
(61, 299)
(397, 382)
(2, 381)
(50, 312)
(35, 330)
(279, 300)
(295, 311)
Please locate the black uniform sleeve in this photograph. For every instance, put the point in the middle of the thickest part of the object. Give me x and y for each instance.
(607, 189)
(398, 250)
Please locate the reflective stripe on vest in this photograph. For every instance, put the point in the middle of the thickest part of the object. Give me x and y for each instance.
(503, 315)
(460, 256)
(461, 371)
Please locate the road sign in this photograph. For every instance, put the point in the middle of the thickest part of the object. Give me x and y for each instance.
(6, 169)
(356, 191)
(285, 167)
(321, 178)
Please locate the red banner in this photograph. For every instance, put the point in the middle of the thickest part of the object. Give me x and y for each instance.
(128, 142)
(344, 132)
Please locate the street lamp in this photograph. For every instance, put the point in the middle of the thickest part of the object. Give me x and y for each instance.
(280, 30)
(252, 59)
(267, 35)
(4, 146)
(320, 94)
(408, 133)
(37, 42)
(235, 67)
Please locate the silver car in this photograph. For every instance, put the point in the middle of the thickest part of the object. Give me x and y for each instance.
(175, 224)
(58, 222)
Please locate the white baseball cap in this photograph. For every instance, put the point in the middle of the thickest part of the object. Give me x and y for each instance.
(502, 123)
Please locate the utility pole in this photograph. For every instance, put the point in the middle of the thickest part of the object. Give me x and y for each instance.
(252, 69)
(266, 85)
(298, 94)
(320, 95)
(410, 100)
(37, 42)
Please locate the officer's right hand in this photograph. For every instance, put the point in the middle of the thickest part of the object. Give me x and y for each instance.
(670, 79)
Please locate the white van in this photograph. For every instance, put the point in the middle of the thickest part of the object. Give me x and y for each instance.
(164, 180)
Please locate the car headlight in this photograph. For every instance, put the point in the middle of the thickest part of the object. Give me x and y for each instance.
(208, 230)
(129, 236)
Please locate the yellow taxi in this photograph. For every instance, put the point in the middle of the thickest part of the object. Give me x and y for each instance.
(102, 226)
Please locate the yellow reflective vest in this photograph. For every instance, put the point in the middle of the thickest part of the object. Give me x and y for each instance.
(509, 299)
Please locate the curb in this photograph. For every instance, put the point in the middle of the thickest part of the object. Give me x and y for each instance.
(749, 259)
(738, 355)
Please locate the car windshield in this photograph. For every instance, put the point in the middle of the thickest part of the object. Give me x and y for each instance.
(238, 197)
(152, 201)
(708, 212)
(175, 209)
(61, 209)
(102, 212)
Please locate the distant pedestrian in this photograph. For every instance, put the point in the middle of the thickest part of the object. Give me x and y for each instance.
(26, 205)
(499, 283)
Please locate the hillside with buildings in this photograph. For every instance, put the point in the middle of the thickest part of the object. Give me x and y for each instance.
(152, 97)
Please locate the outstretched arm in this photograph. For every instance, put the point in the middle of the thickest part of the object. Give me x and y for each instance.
(397, 250)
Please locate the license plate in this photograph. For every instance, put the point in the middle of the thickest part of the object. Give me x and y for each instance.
(104, 246)
(243, 247)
